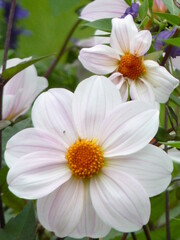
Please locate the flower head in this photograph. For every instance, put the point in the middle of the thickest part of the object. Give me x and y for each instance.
(21, 90)
(125, 58)
(87, 160)
(132, 10)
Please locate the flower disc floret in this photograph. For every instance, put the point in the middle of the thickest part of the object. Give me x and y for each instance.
(85, 158)
(131, 66)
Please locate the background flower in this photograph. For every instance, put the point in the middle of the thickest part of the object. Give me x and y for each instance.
(21, 90)
(147, 80)
(86, 151)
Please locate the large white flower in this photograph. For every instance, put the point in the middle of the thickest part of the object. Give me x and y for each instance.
(21, 90)
(87, 160)
(124, 57)
(100, 9)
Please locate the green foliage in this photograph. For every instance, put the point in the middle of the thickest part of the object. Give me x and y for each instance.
(175, 144)
(162, 135)
(173, 19)
(102, 24)
(171, 7)
(143, 9)
(58, 7)
(22, 227)
(173, 41)
(129, 2)
(10, 72)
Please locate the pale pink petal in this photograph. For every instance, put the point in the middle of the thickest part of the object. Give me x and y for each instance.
(90, 224)
(121, 84)
(94, 98)
(120, 200)
(174, 154)
(129, 128)
(141, 42)
(100, 59)
(32, 140)
(123, 32)
(151, 166)
(100, 9)
(8, 102)
(141, 90)
(61, 210)
(176, 62)
(52, 111)
(163, 83)
(38, 174)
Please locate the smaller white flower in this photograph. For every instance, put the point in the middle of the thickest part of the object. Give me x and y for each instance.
(174, 154)
(21, 90)
(124, 57)
(176, 62)
(100, 9)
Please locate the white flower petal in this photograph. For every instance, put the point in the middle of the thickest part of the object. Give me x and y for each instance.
(129, 128)
(120, 200)
(123, 32)
(176, 62)
(31, 140)
(141, 90)
(100, 59)
(141, 42)
(100, 9)
(174, 154)
(163, 83)
(52, 111)
(121, 84)
(90, 224)
(151, 166)
(38, 174)
(94, 98)
(61, 210)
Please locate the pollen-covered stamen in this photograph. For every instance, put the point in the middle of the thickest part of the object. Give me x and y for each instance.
(85, 158)
(131, 66)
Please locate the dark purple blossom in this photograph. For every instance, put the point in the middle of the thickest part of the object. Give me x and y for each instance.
(160, 44)
(133, 10)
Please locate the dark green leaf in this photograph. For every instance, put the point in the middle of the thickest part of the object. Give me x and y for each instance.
(22, 227)
(129, 2)
(173, 19)
(102, 24)
(10, 72)
(173, 41)
(4, 124)
(175, 100)
(175, 144)
(150, 4)
(143, 9)
(162, 135)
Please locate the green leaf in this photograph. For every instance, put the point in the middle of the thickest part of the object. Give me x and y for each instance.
(175, 144)
(143, 9)
(150, 4)
(4, 124)
(171, 7)
(162, 135)
(129, 2)
(173, 19)
(60, 6)
(173, 41)
(153, 56)
(102, 24)
(22, 227)
(10, 72)
(175, 100)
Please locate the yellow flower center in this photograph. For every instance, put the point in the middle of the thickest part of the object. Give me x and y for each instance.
(131, 66)
(85, 158)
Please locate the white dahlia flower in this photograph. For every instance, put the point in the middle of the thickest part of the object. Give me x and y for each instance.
(88, 160)
(125, 58)
(21, 90)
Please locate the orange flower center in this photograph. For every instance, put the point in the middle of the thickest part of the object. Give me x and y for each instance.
(85, 158)
(131, 66)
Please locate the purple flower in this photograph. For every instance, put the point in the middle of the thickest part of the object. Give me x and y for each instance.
(18, 14)
(159, 44)
(133, 10)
